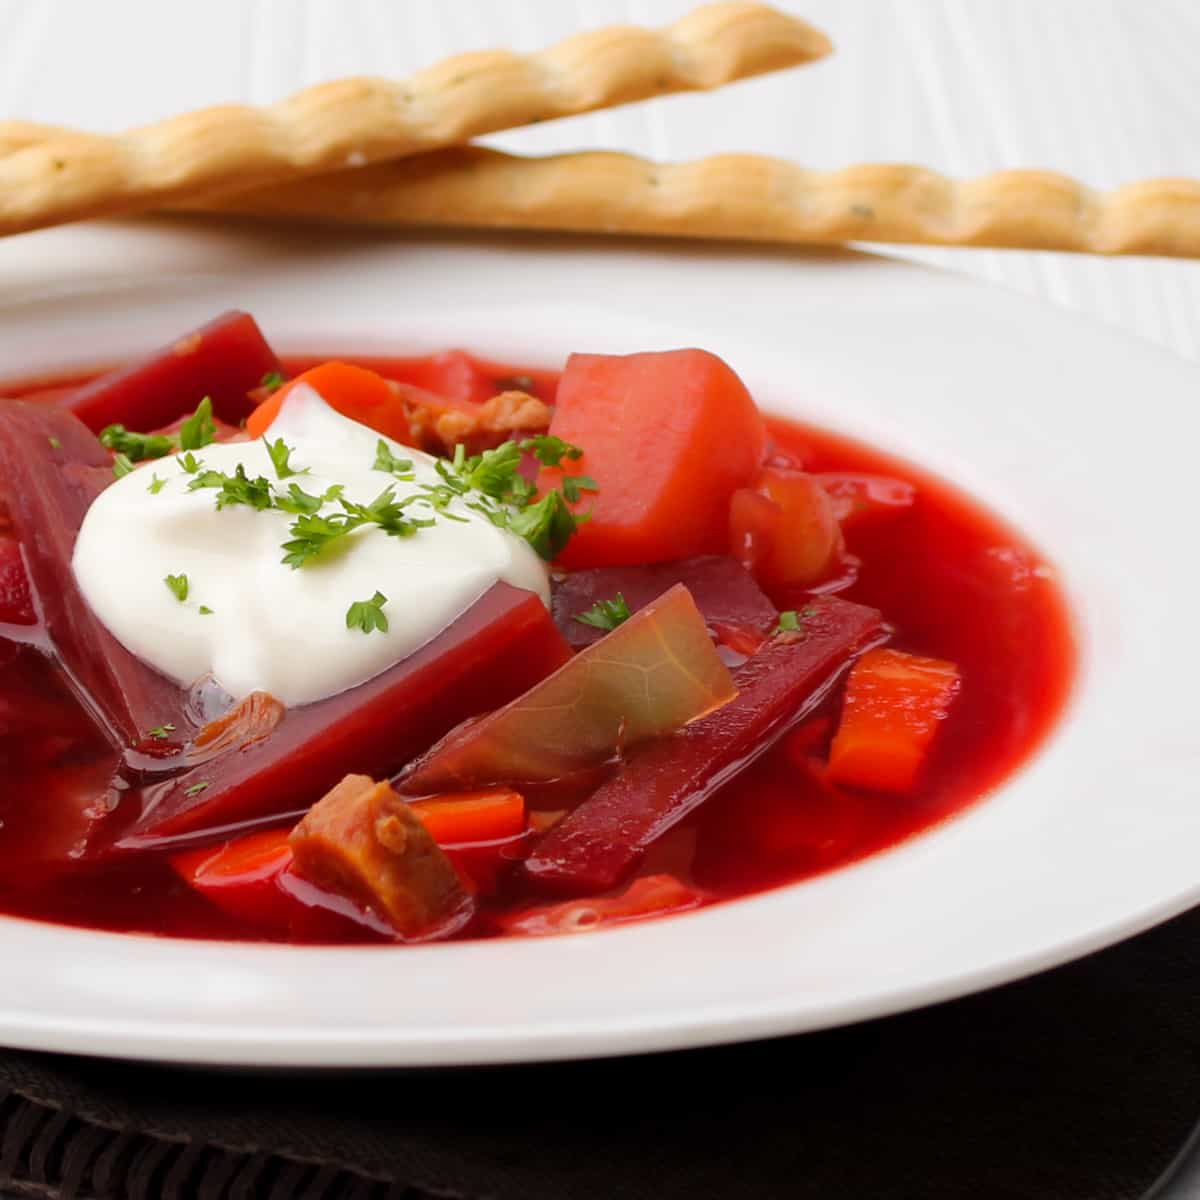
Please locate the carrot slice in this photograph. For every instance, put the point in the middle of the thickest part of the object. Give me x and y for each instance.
(667, 437)
(472, 816)
(355, 392)
(894, 704)
(241, 877)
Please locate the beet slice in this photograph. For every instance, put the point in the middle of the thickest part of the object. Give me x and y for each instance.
(500, 647)
(53, 468)
(223, 360)
(724, 592)
(598, 844)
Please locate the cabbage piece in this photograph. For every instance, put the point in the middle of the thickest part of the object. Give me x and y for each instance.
(649, 677)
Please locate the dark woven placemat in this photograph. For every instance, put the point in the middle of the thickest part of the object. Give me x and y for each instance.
(1080, 1084)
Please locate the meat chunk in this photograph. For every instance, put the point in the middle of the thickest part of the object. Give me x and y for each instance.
(439, 424)
(363, 841)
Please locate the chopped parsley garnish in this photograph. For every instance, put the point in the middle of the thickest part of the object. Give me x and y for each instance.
(385, 460)
(791, 621)
(312, 535)
(196, 789)
(160, 732)
(368, 615)
(550, 450)
(122, 465)
(198, 430)
(55, 443)
(547, 525)
(178, 586)
(272, 381)
(189, 464)
(280, 454)
(237, 488)
(130, 447)
(605, 614)
(137, 447)
(205, 611)
(506, 497)
(573, 487)
(156, 485)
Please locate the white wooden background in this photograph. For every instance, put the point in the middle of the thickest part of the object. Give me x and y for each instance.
(1108, 90)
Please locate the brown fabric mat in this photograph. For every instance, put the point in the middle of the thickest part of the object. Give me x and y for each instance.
(1080, 1084)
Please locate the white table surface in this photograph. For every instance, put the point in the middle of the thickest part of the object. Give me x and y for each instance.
(1104, 89)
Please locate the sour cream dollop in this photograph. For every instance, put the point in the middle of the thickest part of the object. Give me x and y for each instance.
(272, 627)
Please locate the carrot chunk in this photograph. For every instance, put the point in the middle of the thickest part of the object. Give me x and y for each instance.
(893, 706)
(667, 437)
(472, 816)
(355, 392)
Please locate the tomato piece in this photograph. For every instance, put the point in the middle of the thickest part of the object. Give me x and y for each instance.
(472, 816)
(650, 896)
(223, 360)
(668, 437)
(893, 706)
(785, 531)
(859, 498)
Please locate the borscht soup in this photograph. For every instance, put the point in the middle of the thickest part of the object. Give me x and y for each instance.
(411, 649)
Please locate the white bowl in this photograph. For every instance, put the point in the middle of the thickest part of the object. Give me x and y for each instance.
(1084, 438)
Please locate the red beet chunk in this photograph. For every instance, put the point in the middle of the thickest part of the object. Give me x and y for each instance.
(724, 592)
(224, 360)
(16, 602)
(500, 647)
(53, 468)
(599, 843)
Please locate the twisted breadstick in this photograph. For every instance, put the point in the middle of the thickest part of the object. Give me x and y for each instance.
(747, 197)
(351, 122)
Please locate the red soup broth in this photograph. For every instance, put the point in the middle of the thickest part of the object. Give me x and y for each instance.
(951, 579)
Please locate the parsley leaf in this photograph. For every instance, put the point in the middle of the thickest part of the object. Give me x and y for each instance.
(791, 621)
(122, 465)
(574, 485)
(189, 464)
(550, 450)
(198, 430)
(160, 732)
(605, 614)
(178, 586)
(386, 461)
(55, 443)
(312, 535)
(196, 789)
(137, 447)
(368, 615)
(280, 454)
(298, 500)
(547, 525)
(272, 381)
(156, 485)
(237, 488)
(205, 611)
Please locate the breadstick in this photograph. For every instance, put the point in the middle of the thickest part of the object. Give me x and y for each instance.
(351, 122)
(740, 196)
